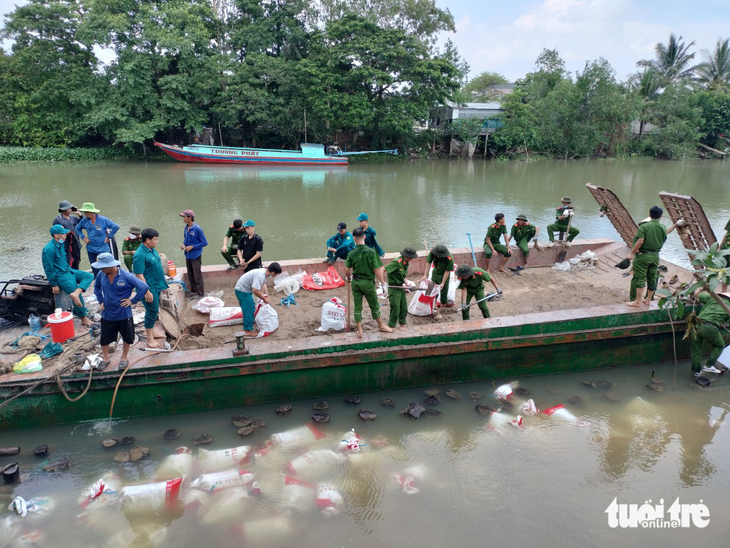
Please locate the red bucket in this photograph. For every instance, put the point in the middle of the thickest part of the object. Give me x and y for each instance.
(62, 326)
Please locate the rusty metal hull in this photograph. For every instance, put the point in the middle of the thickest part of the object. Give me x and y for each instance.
(530, 344)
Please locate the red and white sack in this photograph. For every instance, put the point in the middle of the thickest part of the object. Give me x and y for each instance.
(322, 280)
(212, 461)
(297, 436)
(266, 318)
(350, 442)
(406, 480)
(334, 315)
(504, 392)
(298, 495)
(225, 315)
(177, 465)
(194, 499)
(205, 304)
(329, 501)
(151, 496)
(423, 302)
(217, 481)
(228, 506)
(503, 419)
(104, 492)
(529, 408)
(314, 462)
(560, 412)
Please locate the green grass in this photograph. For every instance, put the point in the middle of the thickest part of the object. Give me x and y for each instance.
(10, 154)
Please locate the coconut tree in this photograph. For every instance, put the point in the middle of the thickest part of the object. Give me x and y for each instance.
(714, 72)
(672, 62)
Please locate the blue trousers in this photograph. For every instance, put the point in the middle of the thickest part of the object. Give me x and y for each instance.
(70, 282)
(341, 254)
(248, 308)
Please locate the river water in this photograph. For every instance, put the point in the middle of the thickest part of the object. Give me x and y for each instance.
(296, 210)
(547, 483)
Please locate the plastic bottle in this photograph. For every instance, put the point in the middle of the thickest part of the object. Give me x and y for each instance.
(35, 323)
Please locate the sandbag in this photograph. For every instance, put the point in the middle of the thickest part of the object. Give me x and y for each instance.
(529, 408)
(314, 462)
(177, 465)
(297, 436)
(560, 412)
(205, 304)
(423, 302)
(334, 315)
(497, 419)
(266, 318)
(104, 492)
(217, 481)
(275, 531)
(504, 392)
(298, 495)
(350, 442)
(151, 496)
(225, 315)
(228, 506)
(329, 501)
(318, 281)
(212, 461)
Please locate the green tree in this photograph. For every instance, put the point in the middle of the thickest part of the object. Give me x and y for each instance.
(476, 90)
(678, 118)
(519, 133)
(714, 72)
(672, 61)
(274, 28)
(715, 127)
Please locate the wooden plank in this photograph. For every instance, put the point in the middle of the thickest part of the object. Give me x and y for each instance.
(697, 234)
(616, 212)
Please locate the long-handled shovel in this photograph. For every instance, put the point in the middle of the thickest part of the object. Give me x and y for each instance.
(349, 293)
(564, 251)
(487, 298)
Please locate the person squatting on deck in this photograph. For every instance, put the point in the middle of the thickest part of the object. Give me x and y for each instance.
(365, 265)
(193, 243)
(113, 289)
(230, 243)
(492, 242)
(440, 259)
(369, 234)
(472, 285)
(68, 217)
(648, 243)
(522, 232)
(148, 268)
(712, 319)
(397, 271)
(250, 248)
(99, 232)
(563, 223)
(339, 245)
(249, 284)
(64, 278)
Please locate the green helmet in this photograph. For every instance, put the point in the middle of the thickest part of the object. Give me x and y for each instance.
(409, 253)
(440, 251)
(521, 218)
(567, 199)
(464, 271)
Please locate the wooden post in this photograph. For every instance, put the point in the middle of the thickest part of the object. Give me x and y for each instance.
(220, 133)
(486, 139)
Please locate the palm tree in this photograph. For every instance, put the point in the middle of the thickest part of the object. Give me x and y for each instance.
(672, 60)
(646, 85)
(714, 73)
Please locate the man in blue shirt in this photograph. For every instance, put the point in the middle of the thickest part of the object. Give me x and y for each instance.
(62, 277)
(339, 245)
(193, 243)
(113, 289)
(99, 232)
(148, 268)
(369, 234)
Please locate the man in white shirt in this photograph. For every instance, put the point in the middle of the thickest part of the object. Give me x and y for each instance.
(253, 283)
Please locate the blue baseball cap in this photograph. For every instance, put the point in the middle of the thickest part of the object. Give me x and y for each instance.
(105, 260)
(58, 229)
(362, 217)
(249, 223)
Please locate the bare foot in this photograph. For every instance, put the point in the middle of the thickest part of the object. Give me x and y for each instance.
(647, 303)
(75, 297)
(385, 329)
(250, 333)
(153, 344)
(86, 321)
(633, 304)
(359, 332)
(501, 270)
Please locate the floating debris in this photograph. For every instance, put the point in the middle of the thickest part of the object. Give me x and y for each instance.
(387, 402)
(507, 405)
(11, 472)
(202, 439)
(453, 394)
(432, 392)
(320, 417)
(127, 440)
(484, 409)
(521, 391)
(241, 420)
(258, 423)
(432, 412)
(605, 385)
(57, 466)
(575, 400)
(432, 400)
(122, 456)
(354, 400)
(245, 431)
(414, 410)
(612, 396)
(321, 406)
(589, 383)
(554, 390)
(475, 395)
(283, 409)
(656, 387)
(138, 453)
(111, 442)
(172, 434)
(366, 414)
(41, 450)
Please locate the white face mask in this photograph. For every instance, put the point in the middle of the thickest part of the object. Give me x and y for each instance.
(132, 236)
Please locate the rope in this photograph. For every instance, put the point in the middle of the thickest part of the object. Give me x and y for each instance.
(59, 382)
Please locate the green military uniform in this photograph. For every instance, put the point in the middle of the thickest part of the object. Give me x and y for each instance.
(494, 234)
(522, 236)
(233, 236)
(646, 261)
(442, 266)
(130, 245)
(397, 271)
(561, 225)
(363, 261)
(474, 286)
(712, 317)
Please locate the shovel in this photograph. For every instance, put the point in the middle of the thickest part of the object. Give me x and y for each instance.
(487, 298)
(564, 251)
